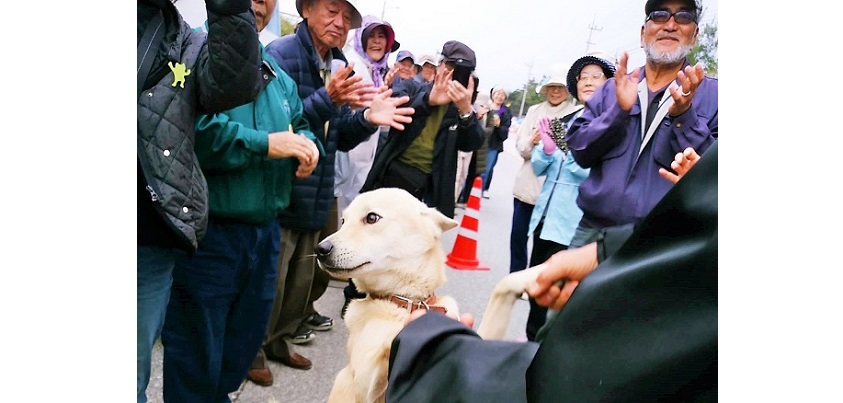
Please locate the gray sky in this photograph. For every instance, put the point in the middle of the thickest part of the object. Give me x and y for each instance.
(508, 36)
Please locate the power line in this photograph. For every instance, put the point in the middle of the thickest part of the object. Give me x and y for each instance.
(591, 28)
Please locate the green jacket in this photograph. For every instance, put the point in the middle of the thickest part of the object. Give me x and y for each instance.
(243, 183)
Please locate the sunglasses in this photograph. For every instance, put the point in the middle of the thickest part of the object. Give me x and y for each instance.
(681, 17)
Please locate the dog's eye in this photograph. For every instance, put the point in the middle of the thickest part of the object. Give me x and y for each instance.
(372, 218)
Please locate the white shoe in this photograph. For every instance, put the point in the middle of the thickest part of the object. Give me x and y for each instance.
(485, 194)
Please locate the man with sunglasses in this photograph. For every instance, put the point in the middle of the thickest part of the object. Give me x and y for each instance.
(636, 123)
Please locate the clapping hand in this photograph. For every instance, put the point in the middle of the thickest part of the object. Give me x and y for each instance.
(351, 90)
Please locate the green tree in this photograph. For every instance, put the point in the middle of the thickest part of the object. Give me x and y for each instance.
(705, 51)
(288, 27)
(515, 97)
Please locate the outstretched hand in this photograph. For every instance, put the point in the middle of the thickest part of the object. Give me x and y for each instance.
(570, 266)
(384, 111)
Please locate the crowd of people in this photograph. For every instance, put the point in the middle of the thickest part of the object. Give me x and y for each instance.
(248, 162)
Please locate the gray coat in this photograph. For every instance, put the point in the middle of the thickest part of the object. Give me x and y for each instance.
(167, 111)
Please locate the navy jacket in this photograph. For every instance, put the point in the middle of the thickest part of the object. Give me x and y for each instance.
(312, 197)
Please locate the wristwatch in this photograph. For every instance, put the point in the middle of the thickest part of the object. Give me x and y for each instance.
(467, 115)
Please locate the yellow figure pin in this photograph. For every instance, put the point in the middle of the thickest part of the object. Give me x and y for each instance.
(180, 71)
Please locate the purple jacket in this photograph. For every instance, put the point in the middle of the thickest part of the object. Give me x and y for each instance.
(623, 187)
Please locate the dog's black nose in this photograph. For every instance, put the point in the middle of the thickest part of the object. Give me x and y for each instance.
(324, 248)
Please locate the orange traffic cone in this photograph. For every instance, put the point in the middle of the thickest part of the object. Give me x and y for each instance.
(464, 255)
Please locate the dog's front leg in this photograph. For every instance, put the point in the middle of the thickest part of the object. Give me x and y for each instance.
(499, 309)
(370, 360)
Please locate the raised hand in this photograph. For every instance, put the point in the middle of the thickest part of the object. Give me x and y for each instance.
(689, 80)
(389, 78)
(439, 90)
(626, 86)
(384, 111)
(343, 89)
(544, 132)
(461, 96)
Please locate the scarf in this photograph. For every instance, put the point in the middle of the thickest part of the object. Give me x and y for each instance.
(377, 67)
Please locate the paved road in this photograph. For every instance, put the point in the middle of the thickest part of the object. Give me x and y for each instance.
(470, 287)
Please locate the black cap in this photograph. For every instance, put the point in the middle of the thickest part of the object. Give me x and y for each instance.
(692, 5)
(459, 54)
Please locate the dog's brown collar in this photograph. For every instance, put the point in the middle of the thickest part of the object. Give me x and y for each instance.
(413, 305)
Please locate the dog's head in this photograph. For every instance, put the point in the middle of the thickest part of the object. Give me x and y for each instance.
(389, 242)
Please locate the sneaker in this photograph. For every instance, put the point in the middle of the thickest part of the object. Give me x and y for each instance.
(485, 194)
(318, 322)
(302, 335)
(460, 205)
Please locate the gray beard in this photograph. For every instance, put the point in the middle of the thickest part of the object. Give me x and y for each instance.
(668, 58)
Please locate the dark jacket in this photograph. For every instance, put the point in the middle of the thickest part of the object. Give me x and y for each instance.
(312, 197)
(642, 327)
(172, 192)
(622, 187)
(501, 133)
(454, 134)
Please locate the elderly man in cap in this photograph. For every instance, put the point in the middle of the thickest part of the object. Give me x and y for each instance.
(342, 112)
(636, 123)
(422, 159)
(403, 69)
(428, 64)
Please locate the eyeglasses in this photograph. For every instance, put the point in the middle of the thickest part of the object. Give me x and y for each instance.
(594, 77)
(681, 17)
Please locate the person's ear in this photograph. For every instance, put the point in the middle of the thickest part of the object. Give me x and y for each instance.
(305, 8)
(642, 34)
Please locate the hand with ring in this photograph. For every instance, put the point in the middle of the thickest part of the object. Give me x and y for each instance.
(689, 79)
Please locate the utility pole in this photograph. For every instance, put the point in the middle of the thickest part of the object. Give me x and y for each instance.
(383, 10)
(526, 88)
(592, 28)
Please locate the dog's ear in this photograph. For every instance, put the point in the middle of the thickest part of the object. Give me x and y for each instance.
(442, 221)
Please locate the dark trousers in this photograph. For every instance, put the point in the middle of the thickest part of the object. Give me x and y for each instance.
(218, 311)
(521, 213)
(542, 250)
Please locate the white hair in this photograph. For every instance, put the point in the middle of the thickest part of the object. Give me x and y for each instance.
(673, 57)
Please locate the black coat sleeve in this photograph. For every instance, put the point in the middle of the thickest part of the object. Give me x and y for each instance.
(437, 359)
(229, 62)
(643, 325)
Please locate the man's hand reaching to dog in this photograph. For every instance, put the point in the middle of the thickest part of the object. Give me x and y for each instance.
(570, 266)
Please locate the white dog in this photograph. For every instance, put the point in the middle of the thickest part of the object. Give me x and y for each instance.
(389, 244)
